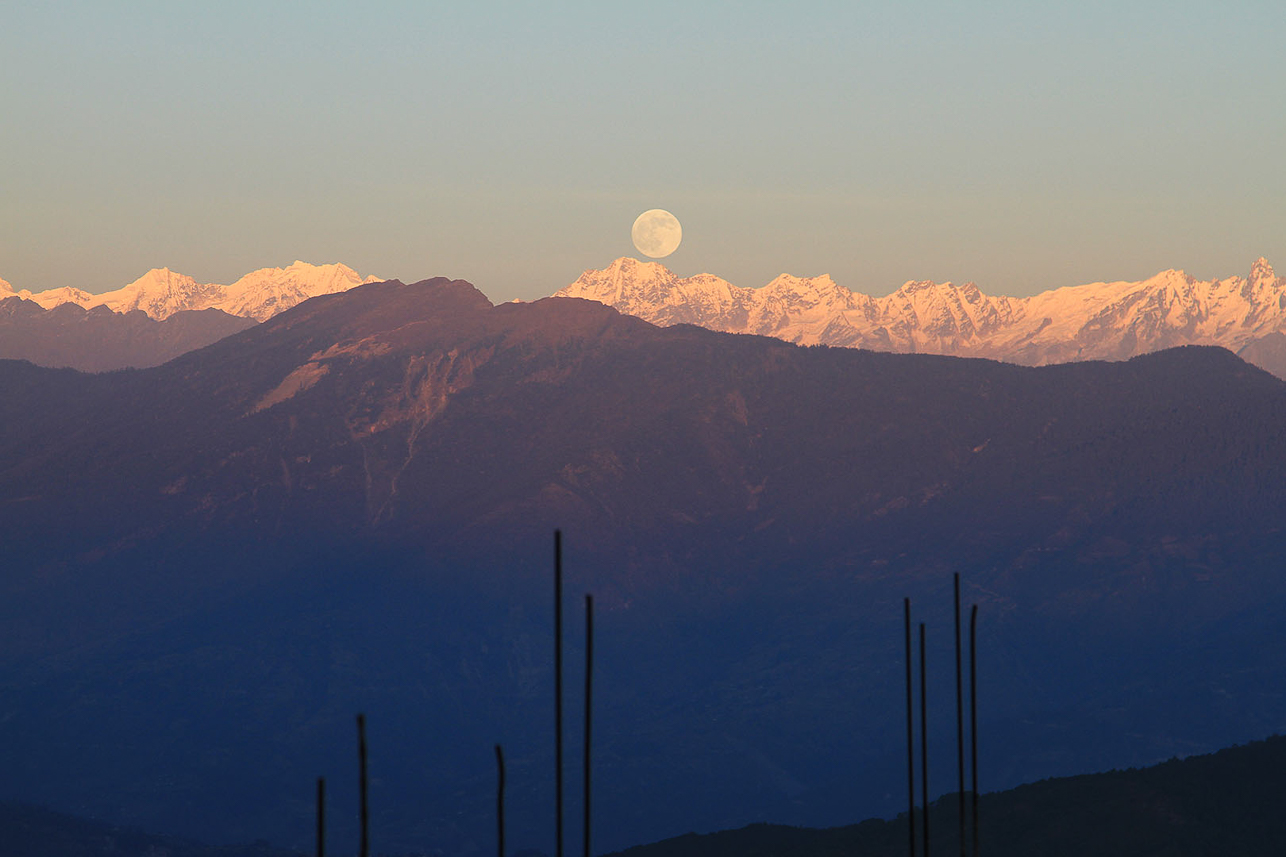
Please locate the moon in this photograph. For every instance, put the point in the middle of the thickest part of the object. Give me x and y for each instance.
(657, 233)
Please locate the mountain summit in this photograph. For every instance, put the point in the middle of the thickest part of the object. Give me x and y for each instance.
(259, 295)
(1098, 321)
(1261, 271)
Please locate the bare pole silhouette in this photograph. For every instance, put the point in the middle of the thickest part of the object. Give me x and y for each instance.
(910, 733)
(589, 697)
(960, 753)
(500, 801)
(558, 690)
(361, 768)
(973, 717)
(924, 744)
(321, 817)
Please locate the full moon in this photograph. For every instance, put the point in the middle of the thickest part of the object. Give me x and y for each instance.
(657, 233)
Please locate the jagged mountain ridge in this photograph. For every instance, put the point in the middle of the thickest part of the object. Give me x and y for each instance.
(161, 292)
(1112, 321)
(1097, 321)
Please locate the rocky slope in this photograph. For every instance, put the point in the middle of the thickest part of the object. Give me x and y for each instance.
(1098, 321)
(161, 292)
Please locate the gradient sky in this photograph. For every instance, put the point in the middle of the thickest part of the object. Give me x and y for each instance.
(1024, 146)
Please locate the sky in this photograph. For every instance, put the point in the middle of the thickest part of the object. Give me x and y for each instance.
(1023, 146)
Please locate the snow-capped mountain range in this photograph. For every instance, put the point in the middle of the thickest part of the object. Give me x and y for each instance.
(1103, 321)
(161, 292)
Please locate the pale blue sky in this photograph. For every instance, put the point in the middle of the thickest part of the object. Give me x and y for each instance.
(1021, 145)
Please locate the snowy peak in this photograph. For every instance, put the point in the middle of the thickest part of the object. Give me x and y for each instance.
(264, 293)
(6, 290)
(1261, 272)
(259, 295)
(629, 267)
(160, 293)
(928, 316)
(52, 298)
(806, 288)
(652, 291)
(629, 279)
(1096, 321)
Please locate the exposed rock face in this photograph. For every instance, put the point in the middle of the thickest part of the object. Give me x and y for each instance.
(1099, 321)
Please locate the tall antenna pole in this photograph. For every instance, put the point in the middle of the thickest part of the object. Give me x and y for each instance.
(558, 689)
(910, 734)
(361, 767)
(589, 696)
(321, 817)
(960, 758)
(973, 716)
(500, 801)
(924, 744)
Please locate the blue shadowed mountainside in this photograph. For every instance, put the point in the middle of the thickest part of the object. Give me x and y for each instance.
(1220, 804)
(212, 564)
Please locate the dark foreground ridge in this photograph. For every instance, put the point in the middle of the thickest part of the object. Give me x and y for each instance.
(1225, 803)
(32, 831)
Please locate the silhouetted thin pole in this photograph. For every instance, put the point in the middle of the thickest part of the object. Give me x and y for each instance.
(960, 757)
(589, 696)
(361, 767)
(924, 744)
(973, 716)
(910, 733)
(321, 817)
(500, 801)
(558, 690)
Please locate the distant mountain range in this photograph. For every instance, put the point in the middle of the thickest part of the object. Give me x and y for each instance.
(161, 292)
(155, 318)
(211, 565)
(1099, 321)
(99, 340)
